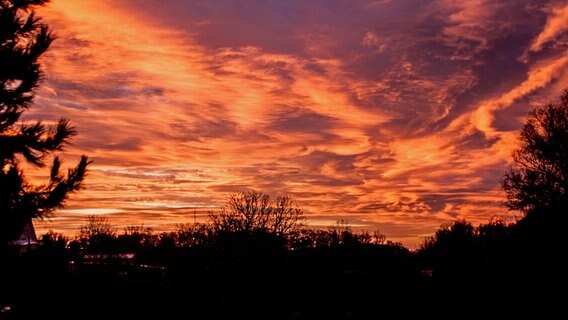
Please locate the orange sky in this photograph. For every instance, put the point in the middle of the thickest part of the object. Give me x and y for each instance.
(397, 115)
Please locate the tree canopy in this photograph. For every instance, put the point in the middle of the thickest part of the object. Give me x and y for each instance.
(538, 179)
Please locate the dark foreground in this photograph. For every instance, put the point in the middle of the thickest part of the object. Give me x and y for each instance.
(500, 272)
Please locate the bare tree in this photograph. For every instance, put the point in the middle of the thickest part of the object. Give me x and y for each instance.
(97, 225)
(251, 211)
(98, 235)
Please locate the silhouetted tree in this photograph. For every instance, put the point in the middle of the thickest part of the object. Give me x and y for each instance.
(451, 238)
(539, 177)
(135, 237)
(23, 39)
(98, 234)
(97, 225)
(52, 240)
(193, 235)
(252, 211)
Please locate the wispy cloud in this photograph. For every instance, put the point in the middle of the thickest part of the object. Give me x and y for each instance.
(556, 25)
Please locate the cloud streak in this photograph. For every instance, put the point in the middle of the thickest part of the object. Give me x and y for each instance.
(556, 25)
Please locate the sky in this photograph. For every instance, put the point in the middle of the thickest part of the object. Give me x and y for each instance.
(393, 115)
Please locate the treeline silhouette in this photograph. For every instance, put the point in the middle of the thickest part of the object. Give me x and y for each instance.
(490, 271)
(209, 273)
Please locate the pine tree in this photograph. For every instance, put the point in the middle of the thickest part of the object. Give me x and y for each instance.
(23, 39)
